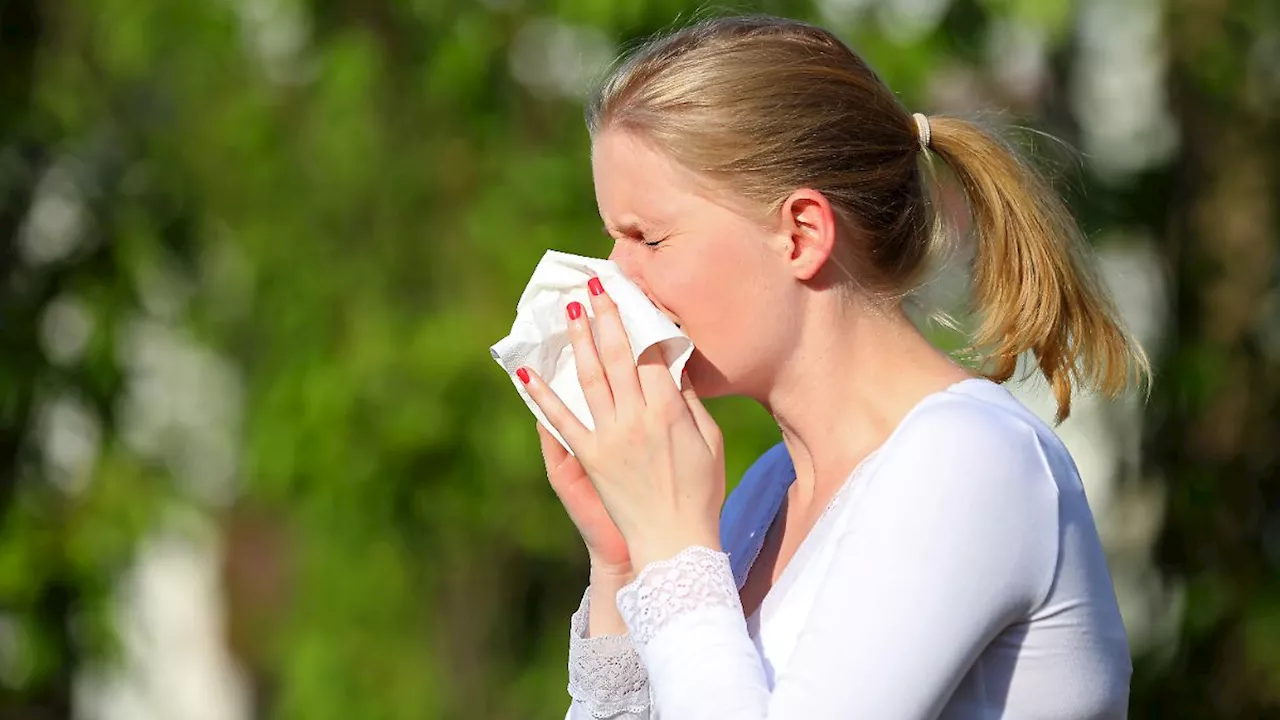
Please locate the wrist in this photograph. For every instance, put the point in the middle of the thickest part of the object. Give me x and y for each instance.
(607, 575)
(603, 618)
(665, 548)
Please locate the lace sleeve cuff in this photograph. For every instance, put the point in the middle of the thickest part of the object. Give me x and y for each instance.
(696, 578)
(605, 673)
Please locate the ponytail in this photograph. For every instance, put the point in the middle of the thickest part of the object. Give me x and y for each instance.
(1034, 285)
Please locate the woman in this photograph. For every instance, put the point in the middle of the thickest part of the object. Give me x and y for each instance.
(919, 545)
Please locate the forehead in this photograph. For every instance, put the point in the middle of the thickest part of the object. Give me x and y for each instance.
(636, 182)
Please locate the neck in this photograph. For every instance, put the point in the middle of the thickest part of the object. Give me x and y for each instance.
(855, 374)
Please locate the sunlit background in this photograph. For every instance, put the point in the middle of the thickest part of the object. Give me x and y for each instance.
(256, 461)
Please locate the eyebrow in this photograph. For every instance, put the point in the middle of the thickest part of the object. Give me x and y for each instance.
(630, 228)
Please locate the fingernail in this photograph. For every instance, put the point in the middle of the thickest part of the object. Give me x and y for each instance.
(575, 310)
(595, 286)
(523, 374)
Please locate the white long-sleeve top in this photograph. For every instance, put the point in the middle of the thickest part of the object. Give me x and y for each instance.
(957, 574)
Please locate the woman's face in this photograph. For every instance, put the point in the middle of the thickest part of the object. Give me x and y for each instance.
(721, 275)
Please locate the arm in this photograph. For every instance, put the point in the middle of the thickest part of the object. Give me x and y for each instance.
(955, 537)
(757, 495)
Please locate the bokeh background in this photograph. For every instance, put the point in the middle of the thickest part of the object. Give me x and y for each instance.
(255, 460)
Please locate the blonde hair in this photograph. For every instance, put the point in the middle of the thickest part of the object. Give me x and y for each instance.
(765, 106)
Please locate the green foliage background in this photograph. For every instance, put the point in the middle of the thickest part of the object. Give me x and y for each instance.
(345, 219)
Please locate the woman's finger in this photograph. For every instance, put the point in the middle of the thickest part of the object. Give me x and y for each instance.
(707, 426)
(615, 350)
(660, 391)
(555, 456)
(553, 453)
(554, 409)
(591, 375)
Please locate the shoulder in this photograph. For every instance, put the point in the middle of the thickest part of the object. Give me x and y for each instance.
(757, 495)
(976, 473)
(969, 416)
(751, 506)
(768, 470)
(971, 452)
(951, 427)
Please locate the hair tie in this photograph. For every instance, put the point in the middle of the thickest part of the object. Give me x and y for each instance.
(922, 129)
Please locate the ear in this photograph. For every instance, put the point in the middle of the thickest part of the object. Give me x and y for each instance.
(808, 224)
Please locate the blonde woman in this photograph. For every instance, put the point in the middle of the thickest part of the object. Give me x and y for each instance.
(919, 545)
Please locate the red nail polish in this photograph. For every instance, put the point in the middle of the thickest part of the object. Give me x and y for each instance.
(575, 310)
(523, 374)
(595, 286)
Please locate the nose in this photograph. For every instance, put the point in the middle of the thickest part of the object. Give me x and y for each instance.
(616, 253)
(622, 255)
(626, 256)
(630, 260)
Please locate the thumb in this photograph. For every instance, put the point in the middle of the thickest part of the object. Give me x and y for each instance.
(707, 426)
(553, 453)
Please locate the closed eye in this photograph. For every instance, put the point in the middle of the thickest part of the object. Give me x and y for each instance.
(634, 232)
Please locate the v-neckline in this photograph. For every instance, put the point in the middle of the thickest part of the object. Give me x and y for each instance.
(784, 576)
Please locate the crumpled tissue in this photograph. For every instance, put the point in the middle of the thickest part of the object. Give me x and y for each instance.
(539, 338)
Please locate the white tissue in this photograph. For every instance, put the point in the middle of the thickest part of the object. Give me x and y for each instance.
(539, 338)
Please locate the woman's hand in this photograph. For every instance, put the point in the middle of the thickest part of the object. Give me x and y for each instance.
(605, 544)
(656, 456)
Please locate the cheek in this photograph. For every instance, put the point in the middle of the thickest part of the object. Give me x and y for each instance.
(731, 341)
(718, 309)
(737, 315)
